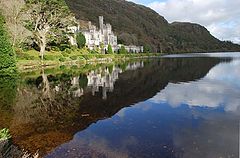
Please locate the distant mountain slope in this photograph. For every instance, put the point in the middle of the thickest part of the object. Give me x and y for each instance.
(137, 24)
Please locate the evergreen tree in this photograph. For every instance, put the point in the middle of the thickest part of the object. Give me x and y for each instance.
(7, 55)
(81, 40)
(110, 50)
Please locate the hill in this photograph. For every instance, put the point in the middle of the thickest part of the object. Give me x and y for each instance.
(140, 25)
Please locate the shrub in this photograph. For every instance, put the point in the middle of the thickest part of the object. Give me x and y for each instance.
(74, 67)
(81, 58)
(122, 50)
(62, 59)
(74, 57)
(65, 54)
(68, 50)
(4, 134)
(62, 67)
(147, 49)
(93, 52)
(55, 48)
(73, 48)
(64, 46)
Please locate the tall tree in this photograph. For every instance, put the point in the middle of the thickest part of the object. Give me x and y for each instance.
(110, 50)
(7, 55)
(11, 9)
(81, 40)
(47, 19)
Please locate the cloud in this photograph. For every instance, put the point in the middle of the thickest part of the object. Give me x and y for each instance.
(220, 87)
(221, 17)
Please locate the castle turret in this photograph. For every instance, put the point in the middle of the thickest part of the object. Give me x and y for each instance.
(109, 28)
(89, 25)
(101, 23)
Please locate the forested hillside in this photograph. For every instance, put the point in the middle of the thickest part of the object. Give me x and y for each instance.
(137, 24)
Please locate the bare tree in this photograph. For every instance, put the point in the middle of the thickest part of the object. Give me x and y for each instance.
(47, 19)
(12, 11)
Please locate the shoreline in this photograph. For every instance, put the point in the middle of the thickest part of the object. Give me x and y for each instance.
(31, 65)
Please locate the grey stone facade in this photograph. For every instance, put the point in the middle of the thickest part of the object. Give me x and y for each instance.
(100, 38)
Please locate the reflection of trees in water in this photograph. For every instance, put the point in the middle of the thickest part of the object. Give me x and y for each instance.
(53, 97)
(57, 97)
(40, 108)
(48, 111)
(8, 89)
(52, 103)
(8, 93)
(47, 96)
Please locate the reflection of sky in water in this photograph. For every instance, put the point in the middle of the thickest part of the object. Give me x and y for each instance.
(190, 55)
(220, 87)
(185, 120)
(228, 73)
(157, 130)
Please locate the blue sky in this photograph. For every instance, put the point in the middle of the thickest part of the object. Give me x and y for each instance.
(220, 17)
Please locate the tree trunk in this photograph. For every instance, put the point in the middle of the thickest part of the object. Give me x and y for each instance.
(42, 46)
(46, 86)
(42, 50)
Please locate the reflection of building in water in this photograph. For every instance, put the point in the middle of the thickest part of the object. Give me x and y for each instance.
(96, 80)
(135, 65)
(75, 90)
(103, 79)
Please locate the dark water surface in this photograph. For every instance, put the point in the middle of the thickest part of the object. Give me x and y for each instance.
(181, 106)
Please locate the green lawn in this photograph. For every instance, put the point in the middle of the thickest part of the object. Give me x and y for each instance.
(31, 60)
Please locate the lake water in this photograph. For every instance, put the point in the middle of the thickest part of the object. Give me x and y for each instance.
(178, 106)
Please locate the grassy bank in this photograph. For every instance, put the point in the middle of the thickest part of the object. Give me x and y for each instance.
(31, 60)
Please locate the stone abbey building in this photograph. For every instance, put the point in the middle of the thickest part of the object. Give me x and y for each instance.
(100, 38)
(104, 35)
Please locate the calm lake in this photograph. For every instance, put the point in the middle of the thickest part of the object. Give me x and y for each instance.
(177, 106)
